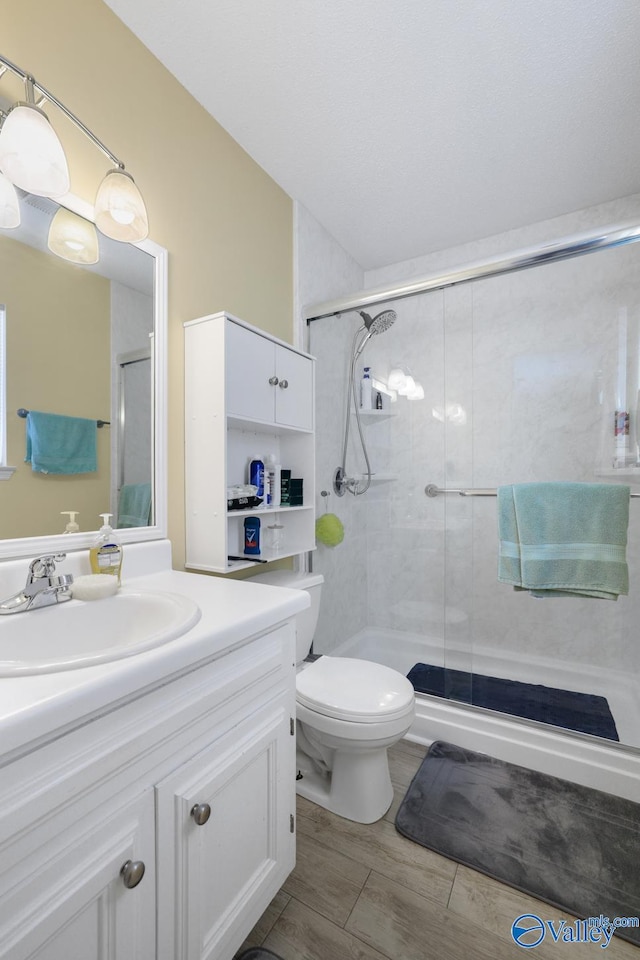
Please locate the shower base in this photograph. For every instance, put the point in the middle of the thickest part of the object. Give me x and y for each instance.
(600, 764)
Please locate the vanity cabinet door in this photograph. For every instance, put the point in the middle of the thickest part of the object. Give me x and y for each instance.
(225, 837)
(70, 902)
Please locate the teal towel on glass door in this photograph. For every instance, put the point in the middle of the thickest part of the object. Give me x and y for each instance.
(135, 505)
(57, 444)
(564, 539)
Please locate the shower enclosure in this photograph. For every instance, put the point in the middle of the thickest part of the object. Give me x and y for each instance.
(527, 375)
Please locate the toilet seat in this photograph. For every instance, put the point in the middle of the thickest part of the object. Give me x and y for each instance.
(358, 691)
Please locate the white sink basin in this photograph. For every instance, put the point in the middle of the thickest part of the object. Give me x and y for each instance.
(79, 633)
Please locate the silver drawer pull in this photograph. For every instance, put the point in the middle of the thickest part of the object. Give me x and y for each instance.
(284, 384)
(201, 813)
(274, 381)
(132, 872)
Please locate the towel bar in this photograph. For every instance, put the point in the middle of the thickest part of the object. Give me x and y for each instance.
(433, 490)
(99, 423)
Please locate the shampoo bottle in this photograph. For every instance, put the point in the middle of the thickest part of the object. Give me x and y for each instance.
(273, 471)
(366, 390)
(105, 555)
(256, 475)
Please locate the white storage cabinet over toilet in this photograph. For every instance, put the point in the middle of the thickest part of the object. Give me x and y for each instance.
(246, 394)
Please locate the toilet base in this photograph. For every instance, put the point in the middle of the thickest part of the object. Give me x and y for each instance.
(358, 788)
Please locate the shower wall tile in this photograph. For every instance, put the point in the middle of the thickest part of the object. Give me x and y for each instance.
(323, 269)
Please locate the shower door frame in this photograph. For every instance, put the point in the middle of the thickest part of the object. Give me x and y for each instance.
(604, 765)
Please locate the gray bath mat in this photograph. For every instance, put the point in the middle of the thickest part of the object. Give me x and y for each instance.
(575, 848)
(258, 953)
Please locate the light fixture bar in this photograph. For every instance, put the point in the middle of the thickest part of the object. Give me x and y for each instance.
(33, 84)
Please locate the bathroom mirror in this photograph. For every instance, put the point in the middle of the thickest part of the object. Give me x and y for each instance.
(83, 341)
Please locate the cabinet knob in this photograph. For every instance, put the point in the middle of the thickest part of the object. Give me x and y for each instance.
(132, 872)
(201, 813)
(284, 384)
(274, 381)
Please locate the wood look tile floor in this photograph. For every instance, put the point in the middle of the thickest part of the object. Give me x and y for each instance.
(364, 892)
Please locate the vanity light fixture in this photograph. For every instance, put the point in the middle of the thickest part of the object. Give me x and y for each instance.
(32, 157)
(9, 204)
(72, 237)
(396, 378)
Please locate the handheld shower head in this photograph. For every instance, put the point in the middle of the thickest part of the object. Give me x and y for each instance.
(380, 322)
(372, 327)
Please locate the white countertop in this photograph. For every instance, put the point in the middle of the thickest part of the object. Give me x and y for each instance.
(37, 708)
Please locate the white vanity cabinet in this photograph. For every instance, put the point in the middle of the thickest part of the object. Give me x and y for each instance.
(67, 897)
(195, 780)
(246, 394)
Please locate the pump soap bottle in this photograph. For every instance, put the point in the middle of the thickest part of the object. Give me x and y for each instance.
(105, 555)
(72, 526)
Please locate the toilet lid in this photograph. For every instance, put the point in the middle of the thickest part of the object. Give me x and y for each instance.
(355, 690)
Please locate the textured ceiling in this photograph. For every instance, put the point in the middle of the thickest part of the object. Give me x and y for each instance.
(406, 126)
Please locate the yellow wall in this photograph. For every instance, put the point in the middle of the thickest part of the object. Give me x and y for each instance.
(57, 332)
(226, 224)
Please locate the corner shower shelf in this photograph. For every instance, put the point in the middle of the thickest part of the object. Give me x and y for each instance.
(631, 472)
(376, 414)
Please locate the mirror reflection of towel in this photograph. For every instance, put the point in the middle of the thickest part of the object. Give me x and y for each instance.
(63, 445)
(135, 505)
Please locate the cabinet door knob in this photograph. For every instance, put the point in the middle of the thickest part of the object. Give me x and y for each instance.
(132, 872)
(274, 381)
(284, 384)
(201, 813)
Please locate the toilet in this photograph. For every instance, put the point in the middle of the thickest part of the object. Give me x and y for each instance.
(348, 713)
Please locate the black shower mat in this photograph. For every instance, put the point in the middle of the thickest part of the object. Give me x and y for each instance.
(583, 712)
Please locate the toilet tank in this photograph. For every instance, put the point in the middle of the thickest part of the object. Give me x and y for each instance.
(306, 620)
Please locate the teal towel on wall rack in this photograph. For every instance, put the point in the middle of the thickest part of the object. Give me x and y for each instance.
(61, 445)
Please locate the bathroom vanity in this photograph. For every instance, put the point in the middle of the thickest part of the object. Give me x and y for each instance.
(147, 804)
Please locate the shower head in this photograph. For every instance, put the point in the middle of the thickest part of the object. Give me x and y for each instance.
(380, 323)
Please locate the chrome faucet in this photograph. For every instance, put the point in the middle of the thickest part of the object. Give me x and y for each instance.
(42, 587)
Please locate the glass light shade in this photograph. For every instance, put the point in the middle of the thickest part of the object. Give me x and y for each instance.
(31, 155)
(408, 386)
(396, 379)
(9, 204)
(119, 209)
(73, 238)
(417, 393)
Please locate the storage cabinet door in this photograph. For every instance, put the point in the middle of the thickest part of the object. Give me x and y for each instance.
(250, 365)
(225, 844)
(294, 390)
(76, 906)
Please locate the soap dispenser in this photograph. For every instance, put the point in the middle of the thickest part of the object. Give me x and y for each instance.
(72, 526)
(105, 554)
